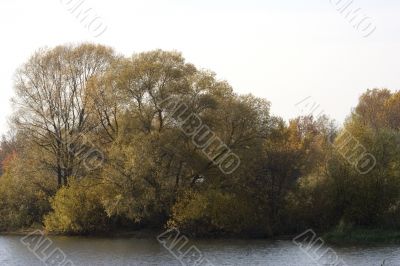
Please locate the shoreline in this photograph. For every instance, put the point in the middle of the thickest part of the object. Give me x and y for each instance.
(363, 236)
(356, 236)
(145, 233)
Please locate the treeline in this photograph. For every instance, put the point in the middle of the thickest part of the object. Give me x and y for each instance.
(102, 142)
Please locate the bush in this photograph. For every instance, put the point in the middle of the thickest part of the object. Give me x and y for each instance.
(216, 212)
(310, 204)
(77, 209)
(22, 201)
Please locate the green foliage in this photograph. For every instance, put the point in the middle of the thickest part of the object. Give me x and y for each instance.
(215, 212)
(22, 201)
(71, 100)
(343, 195)
(77, 209)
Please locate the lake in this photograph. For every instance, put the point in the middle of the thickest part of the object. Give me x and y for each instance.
(148, 251)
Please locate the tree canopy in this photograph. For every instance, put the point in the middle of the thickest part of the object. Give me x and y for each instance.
(102, 141)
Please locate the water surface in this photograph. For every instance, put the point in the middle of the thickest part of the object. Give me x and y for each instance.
(148, 251)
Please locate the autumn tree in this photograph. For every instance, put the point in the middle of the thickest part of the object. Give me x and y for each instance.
(52, 103)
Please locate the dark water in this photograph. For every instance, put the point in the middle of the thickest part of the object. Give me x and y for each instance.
(132, 251)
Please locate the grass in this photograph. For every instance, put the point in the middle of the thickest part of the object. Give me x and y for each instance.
(363, 236)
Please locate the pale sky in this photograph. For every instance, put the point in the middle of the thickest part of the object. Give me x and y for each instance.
(283, 51)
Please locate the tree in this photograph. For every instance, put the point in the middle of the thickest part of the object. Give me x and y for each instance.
(8, 149)
(52, 102)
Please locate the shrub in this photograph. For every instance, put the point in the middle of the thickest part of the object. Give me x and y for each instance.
(216, 212)
(22, 201)
(77, 209)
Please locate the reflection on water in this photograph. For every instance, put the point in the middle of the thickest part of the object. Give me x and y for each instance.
(132, 251)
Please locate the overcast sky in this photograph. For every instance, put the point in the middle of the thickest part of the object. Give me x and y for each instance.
(283, 50)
